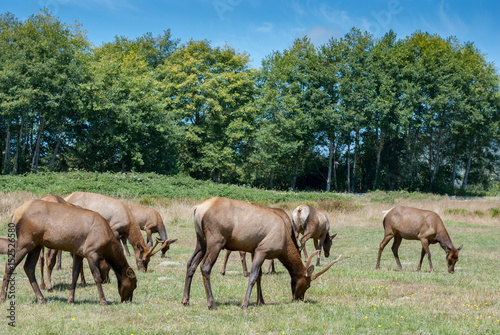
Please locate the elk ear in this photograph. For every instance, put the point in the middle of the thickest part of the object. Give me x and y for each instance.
(130, 273)
(141, 250)
(460, 247)
(174, 240)
(310, 271)
(332, 237)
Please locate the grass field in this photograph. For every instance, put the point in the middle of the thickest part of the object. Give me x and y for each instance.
(351, 298)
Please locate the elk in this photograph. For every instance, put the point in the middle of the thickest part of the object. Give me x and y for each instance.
(54, 255)
(237, 225)
(285, 217)
(313, 223)
(82, 232)
(151, 222)
(417, 224)
(121, 221)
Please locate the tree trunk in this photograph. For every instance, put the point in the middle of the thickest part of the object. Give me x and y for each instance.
(7, 149)
(437, 159)
(331, 153)
(467, 168)
(356, 145)
(271, 181)
(294, 179)
(379, 152)
(58, 144)
(454, 174)
(36, 154)
(18, 148)
(348, 166)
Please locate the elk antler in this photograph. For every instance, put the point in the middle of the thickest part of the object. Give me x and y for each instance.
(163, 245)
(316, 275)
(309, 259)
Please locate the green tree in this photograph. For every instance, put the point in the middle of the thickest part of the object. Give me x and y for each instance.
(208, 90)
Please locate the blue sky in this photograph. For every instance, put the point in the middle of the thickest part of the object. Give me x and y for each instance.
(259, 27)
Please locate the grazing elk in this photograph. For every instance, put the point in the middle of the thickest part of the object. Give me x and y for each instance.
(417, 224)
(313, 223)
(52, 255)
(151, 222)
(121, 221)
(271, 268)
(237, 225)
(82, 232)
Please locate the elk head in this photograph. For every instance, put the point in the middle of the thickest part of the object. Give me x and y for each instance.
(327, 244)
(452, 258)
(145, 257)
(127, 285)
(302, 283)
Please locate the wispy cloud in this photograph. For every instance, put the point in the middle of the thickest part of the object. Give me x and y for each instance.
(267, 27)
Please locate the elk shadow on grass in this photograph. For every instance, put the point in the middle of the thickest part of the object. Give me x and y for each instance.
(60, 287)
(81, 301)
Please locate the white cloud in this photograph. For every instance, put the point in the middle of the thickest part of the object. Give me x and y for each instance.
(267, 27)
(320, 35)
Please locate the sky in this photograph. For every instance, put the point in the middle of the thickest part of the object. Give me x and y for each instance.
(260, 27)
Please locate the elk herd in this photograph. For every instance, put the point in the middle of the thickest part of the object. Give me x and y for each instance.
(98, 227)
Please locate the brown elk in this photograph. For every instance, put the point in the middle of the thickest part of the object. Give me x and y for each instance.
(82, 232)
(237, 225)
(151, 222)
(313, 223)
(417, 224)
(270, 268)
(120, 219)
(52, 255)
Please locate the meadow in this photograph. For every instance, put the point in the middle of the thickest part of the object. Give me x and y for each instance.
(351, 298)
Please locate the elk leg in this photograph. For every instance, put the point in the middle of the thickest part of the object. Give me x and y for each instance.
(384, 242)
(271, 266)
(318, 247)
(124, 242)
(149, 238)
(192, 264)
(29, 268)
(82, 275)
(11, 264)
(93, 261)
(258, 259)
(59, 260)
(226, 257)
(206, 267)
(260, 297)
(51, 262)
(77, 268)
(244, 263)
(395, 248)
(42, 261)
(422, 255)
(425, 246)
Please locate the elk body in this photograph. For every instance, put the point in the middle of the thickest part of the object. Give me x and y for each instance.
(313, 223)
(120, 219)
(271, 268)
(82, 232)
(417, 224)
(6, 244)
(151, 222)
(236, 225)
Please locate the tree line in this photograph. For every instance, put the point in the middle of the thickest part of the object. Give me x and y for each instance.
(355, 114)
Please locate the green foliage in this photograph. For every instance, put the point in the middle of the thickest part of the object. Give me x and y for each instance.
(420, 113)
(494, 212)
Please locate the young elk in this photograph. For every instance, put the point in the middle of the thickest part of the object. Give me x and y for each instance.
(417, 224)
(151, 222)
(236, 225)
(313, 223)
(84, 233)
(121, 221)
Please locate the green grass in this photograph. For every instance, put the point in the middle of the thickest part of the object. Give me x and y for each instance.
(351, 298)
